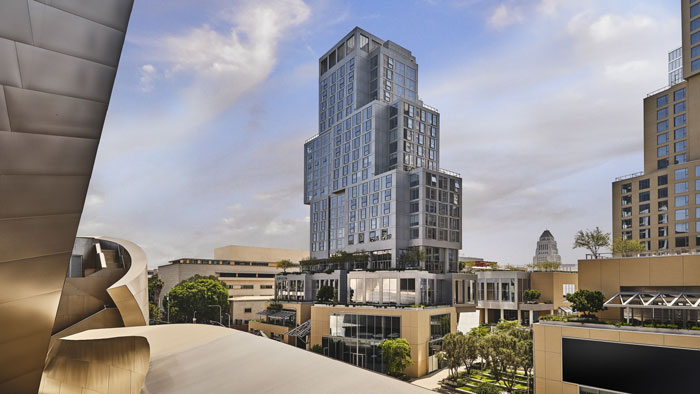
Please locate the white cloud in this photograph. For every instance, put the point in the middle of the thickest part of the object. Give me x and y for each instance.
(505, 15)
(149, 74)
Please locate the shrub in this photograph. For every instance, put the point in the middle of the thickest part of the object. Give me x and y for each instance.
(531, 295)
(317, 348)
(487, 388)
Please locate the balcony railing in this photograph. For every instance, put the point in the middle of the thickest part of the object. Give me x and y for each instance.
(629, 176)
(448, 172)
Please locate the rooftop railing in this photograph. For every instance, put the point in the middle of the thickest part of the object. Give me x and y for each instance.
(430, 107)
(311, 138)
(448, 172)
(659, 90)
(629, 176)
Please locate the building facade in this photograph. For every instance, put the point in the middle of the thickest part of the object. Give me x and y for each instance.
(660, 206)
(372, 177)
(546, 250)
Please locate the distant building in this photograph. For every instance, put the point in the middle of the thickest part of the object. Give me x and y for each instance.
(675, 66)
(248, 272)
(546, 250)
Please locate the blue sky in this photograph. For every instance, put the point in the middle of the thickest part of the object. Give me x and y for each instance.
(540, 100)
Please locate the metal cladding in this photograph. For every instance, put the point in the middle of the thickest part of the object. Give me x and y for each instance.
(58, 61)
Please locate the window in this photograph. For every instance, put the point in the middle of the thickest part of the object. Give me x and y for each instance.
(663, 231)
(627, 187)
(568, 288)
(681, 242)
(626, 200)
(248, 310)
(644, 208)
(679, 107)
(681, 187)
(663, 218)
(663, 244)
(680, 146)
(627, 223)
(682, 201)
(681, 214)
(680, 119)
(662, 113)
(644, 233)
(662, 126)
(661, 164)
(679, 94)
(662, 180)
(695, 65)
(643, 184)
(662, 151)
(679, 133)
(661, 101)
(663, 205)
(662, 138)
(644, 196)
(680, 159)
(682, 228)
(247, 287)
(681, 174)
(644, 221)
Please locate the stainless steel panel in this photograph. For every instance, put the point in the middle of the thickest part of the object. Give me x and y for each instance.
(9, 68)
(25, 272)
(22, 153)
(22, 238)
(4, 120)
(64, 32)
(114, 13)
(14, 20)
(39, 308)
(21, 356)
(45, 113)
(55, 72)
(40, 195)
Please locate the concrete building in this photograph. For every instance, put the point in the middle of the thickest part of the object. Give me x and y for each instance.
(248, 272)
(500, 294)
(372, 176)
(603, 358)
(660, 206)
(546, 250)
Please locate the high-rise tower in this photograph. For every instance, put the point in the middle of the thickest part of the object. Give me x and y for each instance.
(546, 251)
(372, 176)
(661, 205)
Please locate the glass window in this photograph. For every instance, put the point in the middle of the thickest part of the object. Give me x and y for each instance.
(662, 138)
(681, 214)
(679, 107)
(661, 101)
(663, 205)
(662, 163)
(662, 180)
(682, 201)
(643, 184)
(663, 218)
(644, 208)
(681, 187)
(679, 94)
(681, 173)
(679, 133)
(681, 228)
(662, 193)
(679, 120)
(644, 221)
(643, 196)
(680, 159)
(663, 231)
(627, 187)
(662, 113)
(662, 151)
(695, 38)
(662, 126)
(695, 65)
(681, 242)
(680, 146)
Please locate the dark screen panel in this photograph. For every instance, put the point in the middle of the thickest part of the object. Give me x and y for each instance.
(629, 368)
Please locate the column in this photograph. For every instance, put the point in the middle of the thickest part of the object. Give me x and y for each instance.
(486, 315)
(531, 317)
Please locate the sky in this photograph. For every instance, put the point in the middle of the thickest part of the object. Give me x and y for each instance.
(540, 103)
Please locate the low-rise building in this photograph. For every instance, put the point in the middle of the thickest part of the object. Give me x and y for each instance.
(500, 294)
(248, 273)
(655, 302)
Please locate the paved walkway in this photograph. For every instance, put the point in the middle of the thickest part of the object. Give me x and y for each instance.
(432, 381)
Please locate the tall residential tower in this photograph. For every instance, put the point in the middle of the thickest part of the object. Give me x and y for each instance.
(372, 174)
(661, 205)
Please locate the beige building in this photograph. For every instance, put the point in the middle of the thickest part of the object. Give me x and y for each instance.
(661, 205)
(639, 292)
(248, 272)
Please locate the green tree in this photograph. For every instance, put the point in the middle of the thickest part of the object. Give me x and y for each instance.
(627, 247)
(317, 348)
(413, 256)
(472, 342)
(593, 240)
(586, 301)
(396, 354)
(480, 331)
(452, 354)
(284, 265)
(193, 296)
(155, 285)
(325, 294)
(487, 388)
(531, 295)
(545, 266)
(508, 350)
(153, 312)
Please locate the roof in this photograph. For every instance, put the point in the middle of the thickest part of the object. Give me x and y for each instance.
(546, 234)
(250, 298)
(200, 358)
(302, 330)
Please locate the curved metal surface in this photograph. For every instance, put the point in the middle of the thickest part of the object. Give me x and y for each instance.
(58, 60)
(130, 292)
(197, 358)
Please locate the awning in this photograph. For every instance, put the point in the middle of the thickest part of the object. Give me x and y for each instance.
(284, 314)
(302, 330)
(655, 300)
(266, 312)
(566, 310)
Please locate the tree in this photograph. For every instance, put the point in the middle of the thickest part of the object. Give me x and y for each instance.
(586, 301)
(545, 266)
(412, 257)
(531, 295)
(627, 247)
(508, 351)
(155, 285)
(396, 354)
(472, 342)
(193, 296)
(153, 312)
(284, 265)
(325, 294)
(452, 354)
(480, 331)
(592, 240)
(487, 388)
